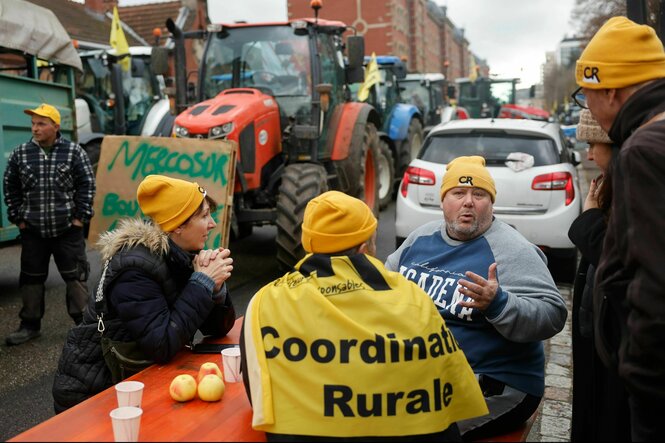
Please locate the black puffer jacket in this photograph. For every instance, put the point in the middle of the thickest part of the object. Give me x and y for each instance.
(629, 285)
(151, 299)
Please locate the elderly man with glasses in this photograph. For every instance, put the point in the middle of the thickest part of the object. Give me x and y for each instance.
(621, 75)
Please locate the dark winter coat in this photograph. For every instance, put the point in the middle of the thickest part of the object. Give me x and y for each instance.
(600, 403)
(629, 286)
(153, 298)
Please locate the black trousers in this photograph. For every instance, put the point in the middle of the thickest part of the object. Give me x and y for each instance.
(508, 409)
(646, 417)
(68, 251)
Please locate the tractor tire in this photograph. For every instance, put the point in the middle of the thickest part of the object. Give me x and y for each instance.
(386, 174)
(361, 169)
(93, 149)
(301, 182)
(411, 146)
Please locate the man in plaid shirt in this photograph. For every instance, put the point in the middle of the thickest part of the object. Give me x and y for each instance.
(49, 185)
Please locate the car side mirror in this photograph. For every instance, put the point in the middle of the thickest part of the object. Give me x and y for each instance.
(576, 158)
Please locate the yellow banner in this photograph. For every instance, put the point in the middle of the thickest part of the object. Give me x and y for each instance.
(118, 40)
(359, 351)
(473, 69)
(372, 77)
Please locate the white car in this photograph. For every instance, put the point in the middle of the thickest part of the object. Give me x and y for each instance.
(533, 166)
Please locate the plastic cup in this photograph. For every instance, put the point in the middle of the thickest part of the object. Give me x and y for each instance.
(126, 422)
(129, 393)
(231, 364)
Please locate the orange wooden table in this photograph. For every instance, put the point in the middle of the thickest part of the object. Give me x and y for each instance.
(163, 418)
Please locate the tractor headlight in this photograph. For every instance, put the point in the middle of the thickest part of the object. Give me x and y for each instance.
(181, 131)
(221, 131)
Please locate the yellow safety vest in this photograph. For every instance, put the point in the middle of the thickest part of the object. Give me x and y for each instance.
(342, 347)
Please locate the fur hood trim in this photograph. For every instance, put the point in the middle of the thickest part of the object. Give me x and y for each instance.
(130, 233)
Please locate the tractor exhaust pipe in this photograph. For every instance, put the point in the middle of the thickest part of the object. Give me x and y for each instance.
(180, 66)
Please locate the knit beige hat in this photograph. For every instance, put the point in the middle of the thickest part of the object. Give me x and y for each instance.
(588, 129)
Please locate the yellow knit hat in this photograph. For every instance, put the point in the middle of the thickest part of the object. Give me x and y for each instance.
(169, 201)
(468, 171)
(334, 222)
(622, 53)
(45, 110)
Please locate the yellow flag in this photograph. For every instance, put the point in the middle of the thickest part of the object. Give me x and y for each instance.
(118, 40)
(473, 75)
(372, 77)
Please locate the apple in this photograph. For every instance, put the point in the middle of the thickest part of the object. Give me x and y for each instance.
(211, 388)
(208, 368)
(183, 388)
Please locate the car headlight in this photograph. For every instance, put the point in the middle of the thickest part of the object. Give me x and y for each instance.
(181, 131)
(221, 131)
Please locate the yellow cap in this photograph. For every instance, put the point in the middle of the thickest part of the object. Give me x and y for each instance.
(622, 53)
(335, 222)
(45, 110)
(169, 201)
(468, 171)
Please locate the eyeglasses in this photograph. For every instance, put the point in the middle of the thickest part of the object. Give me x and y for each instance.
(579, 98)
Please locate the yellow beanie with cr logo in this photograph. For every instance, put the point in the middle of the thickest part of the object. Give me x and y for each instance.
(169, 201)
(469, 171)
(622, 53)
(335, 222)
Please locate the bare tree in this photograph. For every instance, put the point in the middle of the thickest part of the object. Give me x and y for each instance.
(589, 15)
(558, 83)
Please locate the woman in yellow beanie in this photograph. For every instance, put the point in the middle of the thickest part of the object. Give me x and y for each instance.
(158, 287)
(600, 403)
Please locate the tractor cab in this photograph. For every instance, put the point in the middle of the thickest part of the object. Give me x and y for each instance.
(124, 102)
(428, 93)
(280, 91)
(296, 68)
(385, 94)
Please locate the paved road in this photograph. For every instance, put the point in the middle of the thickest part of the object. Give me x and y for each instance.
(27, 370)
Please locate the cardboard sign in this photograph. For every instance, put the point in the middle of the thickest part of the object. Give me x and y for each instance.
(125, 161)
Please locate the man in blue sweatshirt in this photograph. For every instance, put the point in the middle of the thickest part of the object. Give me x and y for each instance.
(493, 289)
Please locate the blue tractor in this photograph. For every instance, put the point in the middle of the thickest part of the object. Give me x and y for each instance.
(401, 132)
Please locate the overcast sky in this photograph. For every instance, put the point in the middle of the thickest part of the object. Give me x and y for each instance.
(512, 35)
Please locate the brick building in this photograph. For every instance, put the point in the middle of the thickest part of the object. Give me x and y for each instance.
(419, 31)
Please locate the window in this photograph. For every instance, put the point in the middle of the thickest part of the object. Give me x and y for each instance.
(13, 64)
(443, 148)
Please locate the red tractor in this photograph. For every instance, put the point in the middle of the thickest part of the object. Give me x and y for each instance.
(280, 90)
